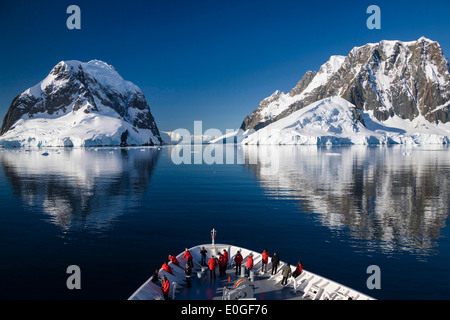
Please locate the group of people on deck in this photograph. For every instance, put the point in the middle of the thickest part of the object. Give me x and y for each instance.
(286, 273)
(165, 283)
(222, 262)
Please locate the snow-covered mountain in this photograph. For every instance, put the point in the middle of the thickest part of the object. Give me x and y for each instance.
(400, 86)
(80, 104)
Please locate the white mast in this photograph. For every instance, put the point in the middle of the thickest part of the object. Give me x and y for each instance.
(213, 235)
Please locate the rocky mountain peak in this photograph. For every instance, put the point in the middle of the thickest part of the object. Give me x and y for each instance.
(89, 87)
(389, 78)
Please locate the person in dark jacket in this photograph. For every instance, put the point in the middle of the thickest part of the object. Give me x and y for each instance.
(188, 273)
(287, 272)
(275, 263)
(156, 277)
(203, 255)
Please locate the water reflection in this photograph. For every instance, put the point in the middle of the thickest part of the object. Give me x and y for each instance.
(390, 199)
(80, 188)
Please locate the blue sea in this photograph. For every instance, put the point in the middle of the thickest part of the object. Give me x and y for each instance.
(117, 213)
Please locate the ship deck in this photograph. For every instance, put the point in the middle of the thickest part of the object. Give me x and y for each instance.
(207, 288)
(307, 286)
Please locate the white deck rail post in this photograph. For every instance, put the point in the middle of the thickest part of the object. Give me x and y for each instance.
(294, 286)
(174, 287)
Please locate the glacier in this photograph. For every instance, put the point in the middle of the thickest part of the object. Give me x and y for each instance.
(335, 121)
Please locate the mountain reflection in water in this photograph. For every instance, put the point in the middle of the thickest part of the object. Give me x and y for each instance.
(384, 199)
(391, 199)
(80, 188)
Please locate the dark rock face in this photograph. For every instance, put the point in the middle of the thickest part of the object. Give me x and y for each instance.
(389, 78)
(73, 86)
(255, 120)
(303, 83)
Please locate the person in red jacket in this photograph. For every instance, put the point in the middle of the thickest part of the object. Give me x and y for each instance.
(166, 267)
(298, 270)
(165, 287)
(189, 258)
(173, 259)
(265, 260)
(225, 255)
(249, 263)
(222, 265)
(238, 261)
(212, 267)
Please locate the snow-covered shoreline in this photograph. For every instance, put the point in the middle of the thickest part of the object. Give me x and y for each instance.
(334, 121)
(75, 129)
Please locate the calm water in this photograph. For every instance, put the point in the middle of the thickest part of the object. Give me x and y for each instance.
(118, 213)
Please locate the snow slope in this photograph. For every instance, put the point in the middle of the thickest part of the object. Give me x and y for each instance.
(334, 120)
(75, 129)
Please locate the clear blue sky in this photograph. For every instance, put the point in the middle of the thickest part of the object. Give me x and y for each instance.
(202, 60)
